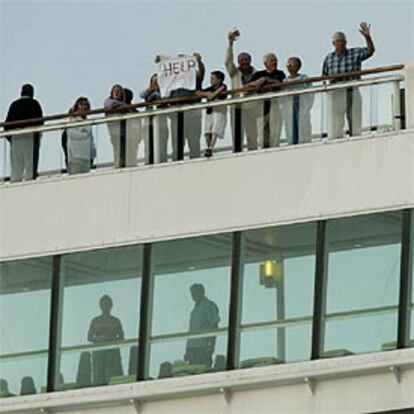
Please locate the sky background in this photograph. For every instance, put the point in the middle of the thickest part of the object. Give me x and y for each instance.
(68, 48)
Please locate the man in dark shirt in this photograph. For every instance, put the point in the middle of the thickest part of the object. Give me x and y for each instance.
(24, 147)
(269, 125)
(204, 317)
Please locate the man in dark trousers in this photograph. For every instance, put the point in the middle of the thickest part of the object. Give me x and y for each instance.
(24, 147)
(204, 317)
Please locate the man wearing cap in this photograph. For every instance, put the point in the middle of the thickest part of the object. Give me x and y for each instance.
(346, 101)
(24, 147)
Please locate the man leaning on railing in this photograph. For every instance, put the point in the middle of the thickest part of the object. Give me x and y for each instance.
(346, 101)
(269, 124)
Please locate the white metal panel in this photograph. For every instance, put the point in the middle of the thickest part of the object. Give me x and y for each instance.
(363, 383)
(276, 186)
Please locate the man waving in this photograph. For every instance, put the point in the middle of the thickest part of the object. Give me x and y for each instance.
(346, 101)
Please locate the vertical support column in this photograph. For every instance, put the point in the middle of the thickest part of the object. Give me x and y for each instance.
(180, 135)
(238, 132)
(409, 95)
(55, 324)
(406, 280)
(122, 143)
(280, 314)
(266, 123)
(237, 268)
(145, 314)
(319, 299)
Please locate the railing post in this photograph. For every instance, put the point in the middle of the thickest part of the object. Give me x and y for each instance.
(238, 133)
(180, 135)
(122, 143)
(151, 140)
(396, 106)
(266, 123)
(36, 149)
(156, 147)
(409, 95)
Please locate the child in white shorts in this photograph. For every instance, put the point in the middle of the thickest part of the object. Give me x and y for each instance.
(216, 118)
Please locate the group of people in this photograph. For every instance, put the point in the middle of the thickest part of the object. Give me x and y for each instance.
(99, 366)
(261, 126)
(105, 328)
(104, 364)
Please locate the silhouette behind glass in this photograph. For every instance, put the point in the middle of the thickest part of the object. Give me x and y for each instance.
(204, 316)
(106, 363)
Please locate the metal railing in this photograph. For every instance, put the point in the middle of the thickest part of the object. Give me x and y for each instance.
(237, 99)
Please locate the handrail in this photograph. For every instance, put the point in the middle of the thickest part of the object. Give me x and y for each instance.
(165, 110)
(361, 312)
(175, 101)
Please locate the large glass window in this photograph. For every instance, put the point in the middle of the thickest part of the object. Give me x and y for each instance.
(364, 255)
(190, 306)
(100, 317)
(25, 288)
(278, 285)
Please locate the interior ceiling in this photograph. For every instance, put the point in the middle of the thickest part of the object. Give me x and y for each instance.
(200, 253)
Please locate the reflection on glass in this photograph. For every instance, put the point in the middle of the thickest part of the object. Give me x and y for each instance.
(343, 335)
(112, 279)
(190, 305)
(204, 316)
(363, 282)
(277, 301)
(105, 328)
(167, 357)
(24, 308)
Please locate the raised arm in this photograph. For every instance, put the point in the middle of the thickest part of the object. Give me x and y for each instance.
(365, 30)
(229, 57)
(201, 68)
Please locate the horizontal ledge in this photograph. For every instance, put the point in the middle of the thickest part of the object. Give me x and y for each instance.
(238, 380)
